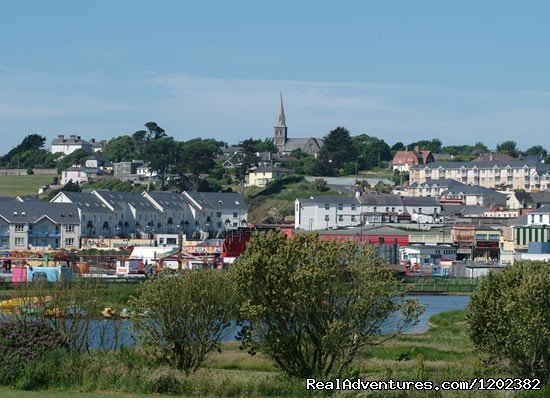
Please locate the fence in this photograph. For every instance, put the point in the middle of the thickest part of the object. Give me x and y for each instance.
(423, 285)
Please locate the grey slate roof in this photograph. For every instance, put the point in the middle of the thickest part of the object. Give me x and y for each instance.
(300, 143)
(381, 199)
(87, 201)
(545, 209)
(218, 200)
(483, 165)
(421, 201)
(169, 200)
(120, 199)
(322, 200)
(72, 139)
(272, 169)
(30, 212)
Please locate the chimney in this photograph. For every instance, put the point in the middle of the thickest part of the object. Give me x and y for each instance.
(491, 157)
(73, 136)
(92, 141)
(417, 149)
(62, 137)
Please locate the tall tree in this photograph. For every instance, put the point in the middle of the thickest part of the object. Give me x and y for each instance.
(372, 151)
(245, 161)
(338, 148)
(120, 148)
(30, 142)
(536, 150)
(162, 156)
(154, 131)
(194, 158)
(508, 147)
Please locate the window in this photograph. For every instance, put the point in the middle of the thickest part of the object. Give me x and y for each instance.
(340, 207)
(374, 209)
(327, 218)
(219, 214)
(420, 209)
(69, 241)
(393, 209)
(327, 206)
(19, 227)
(19, 241)
(219, 224)
(353, 207)
(235, 215)
(353, 218)
(69, 229)
(340, 218)
(387, 209)
(435, 210)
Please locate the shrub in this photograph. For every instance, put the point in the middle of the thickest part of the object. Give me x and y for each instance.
(509, 319)
(181, 317)
(311, 305)
(23, 343)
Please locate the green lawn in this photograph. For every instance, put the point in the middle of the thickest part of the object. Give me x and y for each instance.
(11, 393)
(24, 184)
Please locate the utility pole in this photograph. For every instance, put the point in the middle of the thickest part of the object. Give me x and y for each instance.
(180, 246)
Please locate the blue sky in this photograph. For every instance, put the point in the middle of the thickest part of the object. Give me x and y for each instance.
(401, 70)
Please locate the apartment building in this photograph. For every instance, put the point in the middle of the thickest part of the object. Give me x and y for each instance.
(527, 175)
(326, 212)
(38, 225)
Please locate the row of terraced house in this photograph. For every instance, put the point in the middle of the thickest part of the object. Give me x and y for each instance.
(26, 223)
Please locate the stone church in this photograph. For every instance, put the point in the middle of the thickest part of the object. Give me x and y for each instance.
(285, 145)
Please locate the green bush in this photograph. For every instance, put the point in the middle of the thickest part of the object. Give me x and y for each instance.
(22, 344)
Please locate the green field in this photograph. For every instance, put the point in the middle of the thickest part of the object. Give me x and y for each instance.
(24, 184)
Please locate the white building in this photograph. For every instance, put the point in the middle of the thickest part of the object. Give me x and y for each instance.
(67, 145)
(215, 212)
(540, 216)
(420, 254)
(80, 175)
(326, 212)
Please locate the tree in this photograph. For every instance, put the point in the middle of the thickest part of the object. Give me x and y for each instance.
(77, 157)
(194, 158)
(338, 148)
(154, 131)
(181, 318)
(508, 147)
(320, 184)
(536, 150)
(162, 155)
(509, 319)
(266, 145)
(433, 145)
(312, 305)
(397, 147)
(372, 151)
(120, 148)
(245, 161)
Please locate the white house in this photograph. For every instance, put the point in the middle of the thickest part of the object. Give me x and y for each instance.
(80, 175)
(540, 216)
(379, 208)
(420, 254)
(326, 212)
(422, 209)
(215, 212)
(67, 145)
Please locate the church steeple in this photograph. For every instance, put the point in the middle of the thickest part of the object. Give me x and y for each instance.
(280, 137)
(281, 117)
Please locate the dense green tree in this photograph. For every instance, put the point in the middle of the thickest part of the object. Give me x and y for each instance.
(509, 319)
(180, 318)
(372, 151)
(162, 157)
(311, 305)
(154, 131)
(320, 184)
(433, 145)
(120, 148)
(77, 157)
(338, 148)
(536, 150)
(266, 145)
(245, 161)
(397, 147)
(194, 158)
(508, 147)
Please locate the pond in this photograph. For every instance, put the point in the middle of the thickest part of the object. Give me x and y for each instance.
(102, 332)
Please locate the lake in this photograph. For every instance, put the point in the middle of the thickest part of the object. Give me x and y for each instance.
(103, 330)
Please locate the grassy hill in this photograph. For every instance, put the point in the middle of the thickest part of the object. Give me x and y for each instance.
(278, 198)
(24, 184)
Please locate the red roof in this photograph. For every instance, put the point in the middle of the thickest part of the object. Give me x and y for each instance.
(410, 157)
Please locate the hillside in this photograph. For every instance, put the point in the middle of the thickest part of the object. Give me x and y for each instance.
(24, 184)
(277, 200)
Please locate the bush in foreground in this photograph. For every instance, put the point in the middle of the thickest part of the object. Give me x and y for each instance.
(509, 319)
(181, 317)
(311, 305)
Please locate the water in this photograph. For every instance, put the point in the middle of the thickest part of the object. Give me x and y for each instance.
(102, 332)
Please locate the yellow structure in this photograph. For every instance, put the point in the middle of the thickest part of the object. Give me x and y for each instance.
(261, 176)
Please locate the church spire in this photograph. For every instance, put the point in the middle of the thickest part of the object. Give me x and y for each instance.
(281, 117)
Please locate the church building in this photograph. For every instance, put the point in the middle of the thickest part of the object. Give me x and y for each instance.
(285, 145)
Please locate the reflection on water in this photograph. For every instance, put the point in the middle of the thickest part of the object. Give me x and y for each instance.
(103, 333)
